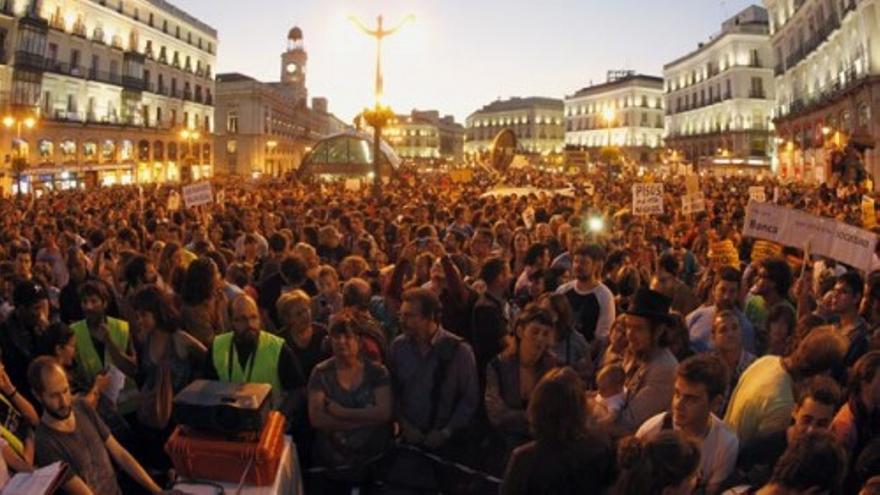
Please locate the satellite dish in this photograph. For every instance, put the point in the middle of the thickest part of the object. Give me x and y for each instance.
(503, 150)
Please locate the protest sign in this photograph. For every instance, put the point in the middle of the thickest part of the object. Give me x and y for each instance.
(837, 240)
(647, 199)
(353, 185)
(765, 249)
(757, 193)
(173, 203)
(693, 203)
(463, 176)
(723, 253)
(197, 194)
(869, 214)
(692, 184)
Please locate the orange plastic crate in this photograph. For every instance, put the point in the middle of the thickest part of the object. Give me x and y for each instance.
(200, 455)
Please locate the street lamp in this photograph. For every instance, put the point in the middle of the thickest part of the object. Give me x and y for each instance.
(378, 116)
(270, 148)
(189, 135)
(19, 161)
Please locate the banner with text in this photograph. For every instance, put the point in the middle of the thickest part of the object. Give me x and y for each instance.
(826, 237)
(647, 199)
(693, 203)
(197, 194)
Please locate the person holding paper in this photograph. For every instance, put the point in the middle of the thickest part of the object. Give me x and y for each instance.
(71, 431)
(104, 343)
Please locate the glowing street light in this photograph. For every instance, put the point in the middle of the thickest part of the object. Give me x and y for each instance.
(189, 135)
(379, 33)
(270, 148)
(608, 115)
(378, 116)
(20, 161)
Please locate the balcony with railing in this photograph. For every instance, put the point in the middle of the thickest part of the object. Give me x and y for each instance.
(134, 83)
(823, 96)
(824, 30)
(757, 94)
(29, 60)
(6, 7)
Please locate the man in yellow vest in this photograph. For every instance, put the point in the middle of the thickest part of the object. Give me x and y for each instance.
(102, 341)
(249, 354)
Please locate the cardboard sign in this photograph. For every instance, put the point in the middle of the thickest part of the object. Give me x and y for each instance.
(837, 240)
(693, 203)
(353, 185)
(757, 193)
(463, 176)
(692, 184)
(173, 203)
(765, 249)
(723, 253)
(198, 194)
(647, 199)
(869, 214)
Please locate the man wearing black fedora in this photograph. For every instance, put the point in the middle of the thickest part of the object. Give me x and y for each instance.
(650, 367)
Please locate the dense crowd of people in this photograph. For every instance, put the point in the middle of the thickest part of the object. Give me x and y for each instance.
(445, 337)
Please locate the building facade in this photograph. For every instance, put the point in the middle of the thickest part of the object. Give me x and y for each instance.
(423, 135)
(537, 123)
(720, 99)
(267, 128)
(827, 79)
(626, 111)
(110, 86)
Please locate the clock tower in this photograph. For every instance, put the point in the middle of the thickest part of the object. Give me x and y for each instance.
(293, 66)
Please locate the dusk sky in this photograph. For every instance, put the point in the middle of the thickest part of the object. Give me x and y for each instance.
(459, 55)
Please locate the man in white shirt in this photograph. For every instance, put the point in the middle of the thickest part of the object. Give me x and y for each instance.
(592, 303)
(700, 384)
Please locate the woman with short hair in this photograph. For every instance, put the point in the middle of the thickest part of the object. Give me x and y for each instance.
(350, 407)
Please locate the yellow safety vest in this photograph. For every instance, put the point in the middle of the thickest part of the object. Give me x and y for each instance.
(89, 364)
(261, 367)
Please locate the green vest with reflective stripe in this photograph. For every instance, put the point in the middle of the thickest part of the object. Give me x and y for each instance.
(262, 367)
(89, 364)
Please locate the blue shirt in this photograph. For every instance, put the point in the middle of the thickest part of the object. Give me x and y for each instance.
(413, 374)
(699, 324)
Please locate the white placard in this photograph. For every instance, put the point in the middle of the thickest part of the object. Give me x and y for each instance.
(757, 193)
(826, 237)
(353, 185)
(647, 199)
(197, 194)
(693, 203)
(173, 201)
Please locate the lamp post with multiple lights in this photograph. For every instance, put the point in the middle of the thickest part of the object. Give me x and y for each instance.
(378, 116)
(19, 159)
(189, 135)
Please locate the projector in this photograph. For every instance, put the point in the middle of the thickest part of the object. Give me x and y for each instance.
(227, 408)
